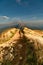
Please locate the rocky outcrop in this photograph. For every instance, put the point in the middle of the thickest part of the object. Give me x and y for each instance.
(21, 47)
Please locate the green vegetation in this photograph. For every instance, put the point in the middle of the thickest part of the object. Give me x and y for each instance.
(7, 63)
(31, 56)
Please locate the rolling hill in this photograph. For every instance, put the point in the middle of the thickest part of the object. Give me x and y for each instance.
(21, 47)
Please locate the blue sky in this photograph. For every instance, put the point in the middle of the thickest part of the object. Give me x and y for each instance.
(11, 10)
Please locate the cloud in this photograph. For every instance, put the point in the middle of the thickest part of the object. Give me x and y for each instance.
(34, 18)
(4, 17)
(32, 21)
(18, 1)
(35, 22)
(16, 19)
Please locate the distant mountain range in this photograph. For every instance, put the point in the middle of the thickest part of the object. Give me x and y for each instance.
(19, 25)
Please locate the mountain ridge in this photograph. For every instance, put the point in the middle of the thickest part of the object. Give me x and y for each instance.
(21, 47)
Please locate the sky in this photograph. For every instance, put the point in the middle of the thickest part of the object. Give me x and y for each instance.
(26, 10)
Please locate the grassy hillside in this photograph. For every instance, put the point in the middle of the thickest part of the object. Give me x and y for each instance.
(21, 47)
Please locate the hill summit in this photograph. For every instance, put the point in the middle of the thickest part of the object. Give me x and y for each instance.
(21, 47)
